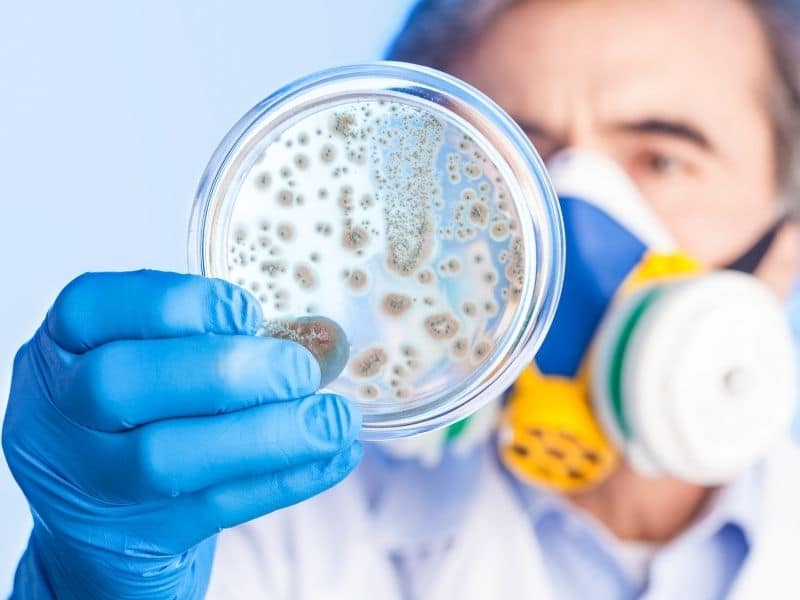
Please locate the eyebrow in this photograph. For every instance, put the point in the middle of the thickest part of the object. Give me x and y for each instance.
(675, 129)
(653, 126)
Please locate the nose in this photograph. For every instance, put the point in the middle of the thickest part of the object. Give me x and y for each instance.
(581, 131)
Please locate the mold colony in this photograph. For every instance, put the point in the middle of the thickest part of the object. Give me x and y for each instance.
(322, 337)
(395, 224)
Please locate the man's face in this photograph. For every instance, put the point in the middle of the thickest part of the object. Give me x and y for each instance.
(675, 90)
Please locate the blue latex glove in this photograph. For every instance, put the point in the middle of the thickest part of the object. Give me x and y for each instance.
(144, 417)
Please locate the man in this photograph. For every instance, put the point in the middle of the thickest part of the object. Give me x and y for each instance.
(697, 102)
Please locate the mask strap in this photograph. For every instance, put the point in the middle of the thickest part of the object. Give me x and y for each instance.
(752, 257)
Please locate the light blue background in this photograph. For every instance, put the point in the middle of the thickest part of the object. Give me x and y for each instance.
(108, 114)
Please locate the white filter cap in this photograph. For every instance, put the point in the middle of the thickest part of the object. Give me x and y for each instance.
(709, 378)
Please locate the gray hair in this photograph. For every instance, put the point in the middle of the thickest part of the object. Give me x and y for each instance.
(437, 30)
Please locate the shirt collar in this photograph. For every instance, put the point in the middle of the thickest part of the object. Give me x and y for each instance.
(737, 503)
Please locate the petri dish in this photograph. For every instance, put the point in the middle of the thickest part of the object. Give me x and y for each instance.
(404, 205)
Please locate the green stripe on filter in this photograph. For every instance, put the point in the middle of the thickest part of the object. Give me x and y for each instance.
(617, 362)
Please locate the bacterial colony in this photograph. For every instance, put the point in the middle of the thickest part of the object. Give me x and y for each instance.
(391, 221)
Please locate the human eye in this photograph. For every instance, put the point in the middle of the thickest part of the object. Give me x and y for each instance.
(657, 163)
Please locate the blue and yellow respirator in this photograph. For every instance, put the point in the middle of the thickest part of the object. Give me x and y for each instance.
(682, 371)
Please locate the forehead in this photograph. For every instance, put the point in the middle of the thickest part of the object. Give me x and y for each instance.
(623, 54)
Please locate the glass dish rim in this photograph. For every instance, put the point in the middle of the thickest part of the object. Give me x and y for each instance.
(452, 94)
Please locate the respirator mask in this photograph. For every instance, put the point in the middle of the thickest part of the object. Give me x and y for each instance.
(680, 370)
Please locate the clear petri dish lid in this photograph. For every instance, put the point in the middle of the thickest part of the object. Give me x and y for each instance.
(407, 207)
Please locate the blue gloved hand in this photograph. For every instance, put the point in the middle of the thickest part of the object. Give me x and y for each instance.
(144, 417)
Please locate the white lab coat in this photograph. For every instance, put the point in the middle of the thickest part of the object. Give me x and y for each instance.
(333, 547)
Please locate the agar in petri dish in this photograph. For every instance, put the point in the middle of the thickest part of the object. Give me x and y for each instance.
(396, 223)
